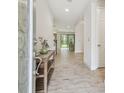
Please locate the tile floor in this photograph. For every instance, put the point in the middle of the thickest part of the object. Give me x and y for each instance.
(72, 76)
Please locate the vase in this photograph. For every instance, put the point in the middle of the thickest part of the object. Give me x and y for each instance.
(44, 51)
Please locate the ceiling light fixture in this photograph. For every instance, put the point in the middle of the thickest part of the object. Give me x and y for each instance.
(66, 10)
(69, 0)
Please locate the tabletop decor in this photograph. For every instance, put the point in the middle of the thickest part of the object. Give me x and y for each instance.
(45, 46)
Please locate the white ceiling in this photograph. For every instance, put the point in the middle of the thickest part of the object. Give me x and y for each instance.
(76, 8)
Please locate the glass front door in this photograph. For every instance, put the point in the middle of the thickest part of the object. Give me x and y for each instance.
(64, 41)
(67, 41)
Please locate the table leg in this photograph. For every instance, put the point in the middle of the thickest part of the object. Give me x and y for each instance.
(45, 77)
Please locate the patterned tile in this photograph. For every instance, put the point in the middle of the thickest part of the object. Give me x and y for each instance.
(72, 76)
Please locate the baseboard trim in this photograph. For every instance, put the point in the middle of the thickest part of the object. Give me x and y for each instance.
(78, 51)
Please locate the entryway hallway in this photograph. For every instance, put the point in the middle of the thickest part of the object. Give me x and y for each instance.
(72, 76)
(78, 25)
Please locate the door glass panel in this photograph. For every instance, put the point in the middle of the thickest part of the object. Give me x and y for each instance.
(71, 42)
(67, 41)
(64, 41)
(23, 84)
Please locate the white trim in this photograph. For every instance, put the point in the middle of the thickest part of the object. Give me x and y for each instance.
(30, 43)
(89, 67)
(78, 51)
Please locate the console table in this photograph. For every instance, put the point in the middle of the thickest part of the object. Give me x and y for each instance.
(44, 69)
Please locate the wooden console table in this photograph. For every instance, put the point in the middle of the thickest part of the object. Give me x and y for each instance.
(45, 63)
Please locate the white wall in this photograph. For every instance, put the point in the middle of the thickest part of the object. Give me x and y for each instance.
(87, 36)
(65, 29)
(44, 23)
(90, 36)
(79, 42)
(94, 62)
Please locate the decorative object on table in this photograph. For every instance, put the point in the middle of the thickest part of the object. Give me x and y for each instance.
(45, 46)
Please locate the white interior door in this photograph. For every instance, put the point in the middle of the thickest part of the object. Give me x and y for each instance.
(101, 37)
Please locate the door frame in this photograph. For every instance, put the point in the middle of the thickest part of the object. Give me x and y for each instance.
(30, 43)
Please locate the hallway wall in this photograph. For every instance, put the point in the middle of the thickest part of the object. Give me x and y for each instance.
(90, 40)
(93, 24)
(87, 36)
(79, 34)
(44, 21)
